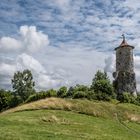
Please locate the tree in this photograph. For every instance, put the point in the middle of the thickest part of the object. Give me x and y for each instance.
(5, 99)
(62, 92)
(99, 76)
(70, 92)
(102, 86)
(23, 84)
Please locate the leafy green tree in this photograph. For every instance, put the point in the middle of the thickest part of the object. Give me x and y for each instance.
(62, 92)
(102, 86)
(5, 99)
(99, 76)
(23, 84)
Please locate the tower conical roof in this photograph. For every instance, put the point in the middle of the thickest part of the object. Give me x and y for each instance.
(124, 44)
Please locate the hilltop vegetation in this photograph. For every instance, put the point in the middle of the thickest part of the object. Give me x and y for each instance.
(101, 89)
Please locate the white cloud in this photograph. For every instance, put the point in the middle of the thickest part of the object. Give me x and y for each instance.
(7, 69)
(6, 72)
(110, 64)
(9, 44)
(74, 65)
(30, 40)
(25, 61)
(46, 82)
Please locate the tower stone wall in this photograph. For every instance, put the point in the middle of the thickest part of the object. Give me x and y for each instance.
(124, 59)
(124, 76)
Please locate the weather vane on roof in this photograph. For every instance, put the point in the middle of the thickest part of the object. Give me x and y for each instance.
(123, 37)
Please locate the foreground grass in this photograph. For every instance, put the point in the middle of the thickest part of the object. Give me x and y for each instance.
(59, 125)
(58, 119)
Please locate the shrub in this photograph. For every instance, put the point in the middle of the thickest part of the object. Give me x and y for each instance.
(38, 96)
(103, 96)
(98, 96)
(41, 95)
(91, 95)
(79, 94)
(52, 93)
(127, 98)
(15, 101)
(138, 99)
(72, 90)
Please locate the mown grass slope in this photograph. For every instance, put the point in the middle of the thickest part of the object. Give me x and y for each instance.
(58, 119)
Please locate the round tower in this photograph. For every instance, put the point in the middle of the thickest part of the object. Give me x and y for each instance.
(125, 80)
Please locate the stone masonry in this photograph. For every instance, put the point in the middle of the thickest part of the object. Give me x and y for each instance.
(124, 76)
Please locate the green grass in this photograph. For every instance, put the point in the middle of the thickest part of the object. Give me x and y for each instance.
(61, 119)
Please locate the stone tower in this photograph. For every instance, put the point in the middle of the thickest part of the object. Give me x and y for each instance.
(124, 76)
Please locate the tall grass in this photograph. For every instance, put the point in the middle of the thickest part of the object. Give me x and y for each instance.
(94, 108)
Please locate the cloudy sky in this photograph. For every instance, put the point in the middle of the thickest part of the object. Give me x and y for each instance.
(64, 42)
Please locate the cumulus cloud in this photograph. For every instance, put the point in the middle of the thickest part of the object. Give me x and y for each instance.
(110, 64)
(9, 44)
(25, 61)
(46, 82)
(32, 39)
(29, 40)
(7, 69)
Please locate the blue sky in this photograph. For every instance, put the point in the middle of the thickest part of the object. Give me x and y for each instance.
(64, 42)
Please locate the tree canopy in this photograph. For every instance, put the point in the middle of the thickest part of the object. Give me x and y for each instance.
(23, 84)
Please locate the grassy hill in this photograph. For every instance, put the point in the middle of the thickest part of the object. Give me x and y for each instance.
(58, 119)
